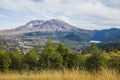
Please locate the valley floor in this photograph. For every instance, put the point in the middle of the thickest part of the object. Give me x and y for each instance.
(61, 75)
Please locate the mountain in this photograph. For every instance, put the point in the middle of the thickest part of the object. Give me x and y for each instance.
(54, 25)
(59, 29)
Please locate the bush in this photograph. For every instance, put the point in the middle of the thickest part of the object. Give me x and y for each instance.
(4, 61)
(50, 58)
(96, 61)
(31, 59)
(16, 60)
(114, 63)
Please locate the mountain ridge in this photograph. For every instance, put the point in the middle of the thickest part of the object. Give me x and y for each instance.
(61, 29)
(42, 26)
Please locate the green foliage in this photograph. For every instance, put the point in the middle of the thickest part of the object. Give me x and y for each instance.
(62, 49)
(16, 60)
(96, 61)
(84, 52)
(94, 49)
(114, 62)
(4, 61)
(31, 59)
(50, 58)
(59, 57)
(74, 60)
(65, 53)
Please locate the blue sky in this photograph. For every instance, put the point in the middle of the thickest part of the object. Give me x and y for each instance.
(87, 14)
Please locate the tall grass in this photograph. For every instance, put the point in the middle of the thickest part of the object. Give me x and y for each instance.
(61, 75)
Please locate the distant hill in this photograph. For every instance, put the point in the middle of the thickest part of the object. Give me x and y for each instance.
(111, 35)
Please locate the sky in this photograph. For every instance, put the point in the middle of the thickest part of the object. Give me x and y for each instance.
(86, 14)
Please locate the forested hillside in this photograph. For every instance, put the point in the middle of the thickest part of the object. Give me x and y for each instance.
(58, 56)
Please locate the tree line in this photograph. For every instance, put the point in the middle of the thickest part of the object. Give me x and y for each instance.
(57, 57)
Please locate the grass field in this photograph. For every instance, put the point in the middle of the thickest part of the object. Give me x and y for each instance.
(61, 75)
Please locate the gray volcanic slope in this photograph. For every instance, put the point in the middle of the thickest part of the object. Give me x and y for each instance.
(41, 26)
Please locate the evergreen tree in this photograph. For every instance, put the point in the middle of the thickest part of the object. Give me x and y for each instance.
(16, 60)
(96, 61)
(94, 49)
(50, 58)
(4, 61)
(74, 61)
(31, 59)
(83, 52)
(66, 54)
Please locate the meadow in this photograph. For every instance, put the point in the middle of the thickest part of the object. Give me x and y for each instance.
(61, 75)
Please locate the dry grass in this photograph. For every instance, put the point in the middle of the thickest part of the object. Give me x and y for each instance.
(61, 75)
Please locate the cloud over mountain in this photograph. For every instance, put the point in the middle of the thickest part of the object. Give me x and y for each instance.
(88, 14)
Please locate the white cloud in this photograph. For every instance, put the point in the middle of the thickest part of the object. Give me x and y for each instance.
(2, 16)
(9, 25)
(64, 18)
(83, 13)
(114, 1)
